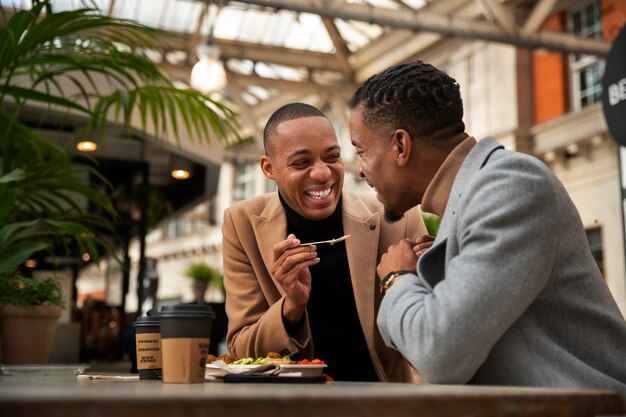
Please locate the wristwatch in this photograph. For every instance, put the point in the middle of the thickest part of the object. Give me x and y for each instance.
(391, 278)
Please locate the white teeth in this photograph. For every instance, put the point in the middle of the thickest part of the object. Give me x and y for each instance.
(318, 194)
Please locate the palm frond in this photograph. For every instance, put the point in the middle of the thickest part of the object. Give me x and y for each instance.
(46, 53)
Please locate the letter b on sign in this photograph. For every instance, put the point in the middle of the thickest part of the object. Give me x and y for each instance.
(614, 89)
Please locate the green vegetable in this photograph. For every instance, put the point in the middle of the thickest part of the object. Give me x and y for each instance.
(432, 222)
(249, 361)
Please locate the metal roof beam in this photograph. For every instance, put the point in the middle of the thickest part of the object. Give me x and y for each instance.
(342, 53)
(261, 53)
(252, 121)
(424, 20)
(278, 55)
(290, 85)
(496, 11)
(539, 14)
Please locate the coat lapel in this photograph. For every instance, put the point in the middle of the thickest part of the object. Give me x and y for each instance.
(270, 228)
(362, 247)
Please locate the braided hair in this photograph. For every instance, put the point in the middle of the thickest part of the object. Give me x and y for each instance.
(416, 97)
(285, 113)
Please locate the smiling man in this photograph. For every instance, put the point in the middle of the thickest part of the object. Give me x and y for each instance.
(509, 293)
(310, 301)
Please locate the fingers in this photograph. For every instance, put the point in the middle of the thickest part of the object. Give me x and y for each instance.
(421, 244)
(290, 259)
(291, 277)
(398, 257)
(280, 247)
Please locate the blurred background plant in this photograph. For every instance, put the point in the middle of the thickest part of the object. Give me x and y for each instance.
(21, 291)
(201, 271)
(60, 62)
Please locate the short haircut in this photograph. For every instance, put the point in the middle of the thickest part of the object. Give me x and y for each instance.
(414, 96)
(285, 113)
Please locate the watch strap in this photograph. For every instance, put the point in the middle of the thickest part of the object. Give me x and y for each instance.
(391, 277)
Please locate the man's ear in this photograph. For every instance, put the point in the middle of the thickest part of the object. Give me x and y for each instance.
(267, 167)
(402, 144)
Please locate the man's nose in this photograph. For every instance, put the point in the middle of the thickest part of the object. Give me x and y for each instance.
(320, 171)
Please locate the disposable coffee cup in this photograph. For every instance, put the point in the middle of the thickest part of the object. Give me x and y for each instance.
(148, 342)
(185, 338)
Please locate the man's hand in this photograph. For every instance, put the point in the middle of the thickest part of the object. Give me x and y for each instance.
(398, 257)
(422, 243)
(291, 270)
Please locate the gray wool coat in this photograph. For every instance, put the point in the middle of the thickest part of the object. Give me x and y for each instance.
(509, 293)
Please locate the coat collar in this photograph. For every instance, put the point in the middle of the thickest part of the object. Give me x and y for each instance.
(475, 160)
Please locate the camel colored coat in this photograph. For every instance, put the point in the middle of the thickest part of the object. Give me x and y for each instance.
(254, 300)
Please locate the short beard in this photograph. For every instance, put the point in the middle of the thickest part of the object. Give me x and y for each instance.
(392, 218)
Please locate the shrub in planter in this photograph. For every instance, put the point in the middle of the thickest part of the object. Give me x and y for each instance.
(203, 275)
(29, 310)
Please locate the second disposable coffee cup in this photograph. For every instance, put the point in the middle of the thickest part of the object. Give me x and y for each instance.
(185, 338)
(148, 341)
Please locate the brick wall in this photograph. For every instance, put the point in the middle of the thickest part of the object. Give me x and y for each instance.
(550, 77)
(551, 95)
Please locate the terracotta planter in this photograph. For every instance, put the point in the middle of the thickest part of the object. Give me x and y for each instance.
(27, 333)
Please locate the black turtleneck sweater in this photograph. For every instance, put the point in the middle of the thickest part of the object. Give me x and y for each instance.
(337, 334)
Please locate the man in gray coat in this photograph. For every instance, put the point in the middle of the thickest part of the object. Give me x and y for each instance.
(509, 293)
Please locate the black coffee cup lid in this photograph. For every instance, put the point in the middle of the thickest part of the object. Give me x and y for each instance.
(147, 321)
(187, 310)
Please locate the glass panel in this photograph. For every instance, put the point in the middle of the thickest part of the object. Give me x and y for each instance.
(587, 70)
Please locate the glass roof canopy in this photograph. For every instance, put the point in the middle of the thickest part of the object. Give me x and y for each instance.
(287, 52)
(242, 23)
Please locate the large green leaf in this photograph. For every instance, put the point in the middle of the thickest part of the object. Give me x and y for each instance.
(7, 202)
(17, 254)
(47, 49)
(19, 93)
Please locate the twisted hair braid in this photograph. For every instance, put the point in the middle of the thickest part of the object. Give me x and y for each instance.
(416, 97)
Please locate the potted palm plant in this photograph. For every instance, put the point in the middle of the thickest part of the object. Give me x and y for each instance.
(37, 214)
(41, 53)
(203, 275)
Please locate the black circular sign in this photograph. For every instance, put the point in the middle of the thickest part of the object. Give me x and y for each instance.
(614, 89)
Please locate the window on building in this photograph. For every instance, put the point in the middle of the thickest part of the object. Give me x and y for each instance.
(594, 237)
(177, 227)
(586, 70)
(244, 180)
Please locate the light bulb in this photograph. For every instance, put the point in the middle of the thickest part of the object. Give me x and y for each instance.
(86, 146)
(208, 75)
(180, 174)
